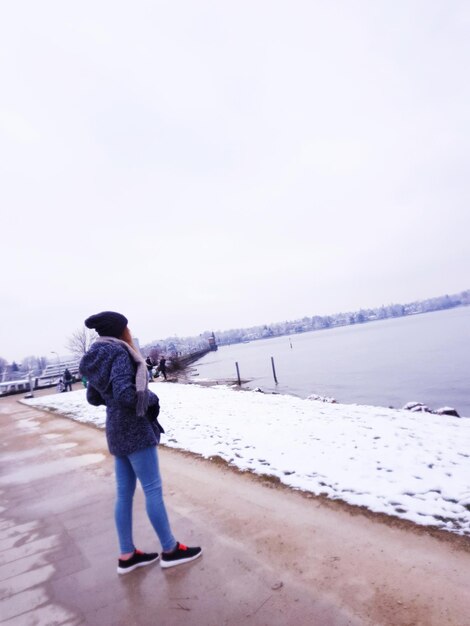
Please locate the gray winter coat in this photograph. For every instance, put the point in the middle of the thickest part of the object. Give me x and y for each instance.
(111, 381)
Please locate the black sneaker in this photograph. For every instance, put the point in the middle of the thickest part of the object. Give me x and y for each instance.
(181, 554)
(138, 559)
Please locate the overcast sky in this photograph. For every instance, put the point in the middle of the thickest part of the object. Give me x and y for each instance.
(205, 165)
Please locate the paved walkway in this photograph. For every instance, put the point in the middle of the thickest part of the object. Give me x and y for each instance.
(58, 548)
(271, 556)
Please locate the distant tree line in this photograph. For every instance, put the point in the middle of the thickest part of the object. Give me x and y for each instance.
(82, 339)
(78, 343)
(176, 346)
(319, 322)
(316, 322)
(33, 365)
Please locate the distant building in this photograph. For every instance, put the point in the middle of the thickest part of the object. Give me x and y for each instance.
(213, 343)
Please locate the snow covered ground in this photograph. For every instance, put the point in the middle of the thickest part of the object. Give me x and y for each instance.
(410, 465)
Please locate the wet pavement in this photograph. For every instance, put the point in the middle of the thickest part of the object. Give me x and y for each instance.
(58, 551)
(272, 556)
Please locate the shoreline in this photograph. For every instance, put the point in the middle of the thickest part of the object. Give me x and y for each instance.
(233, 384)
(461, 542)
(390, 365)
(217, 438)
(272, 555)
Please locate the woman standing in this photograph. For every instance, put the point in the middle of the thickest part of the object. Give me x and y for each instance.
(117, 377)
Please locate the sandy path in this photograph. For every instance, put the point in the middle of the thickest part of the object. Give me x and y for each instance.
(376, 571)
(271, 555)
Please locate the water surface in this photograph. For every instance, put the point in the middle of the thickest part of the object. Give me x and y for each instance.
(386, 363)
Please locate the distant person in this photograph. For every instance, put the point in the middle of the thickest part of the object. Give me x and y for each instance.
(162, 367)
(117, 377)
(68, 379)
(60, 386)
(150, 366)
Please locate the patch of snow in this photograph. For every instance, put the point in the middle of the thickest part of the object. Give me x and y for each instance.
(314, 396)
(397, 462)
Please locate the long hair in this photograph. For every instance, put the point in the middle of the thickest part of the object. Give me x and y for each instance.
(127, 338)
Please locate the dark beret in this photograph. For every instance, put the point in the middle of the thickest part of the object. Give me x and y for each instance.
(107, 323)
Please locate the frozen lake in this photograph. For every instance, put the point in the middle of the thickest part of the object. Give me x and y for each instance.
(384, 363)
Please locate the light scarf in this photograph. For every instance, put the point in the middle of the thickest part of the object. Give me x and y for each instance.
(141, 375)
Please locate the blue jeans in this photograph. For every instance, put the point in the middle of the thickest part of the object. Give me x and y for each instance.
(143, 465)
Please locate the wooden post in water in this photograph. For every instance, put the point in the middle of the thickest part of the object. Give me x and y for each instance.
(274, 370)
(238, 373)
